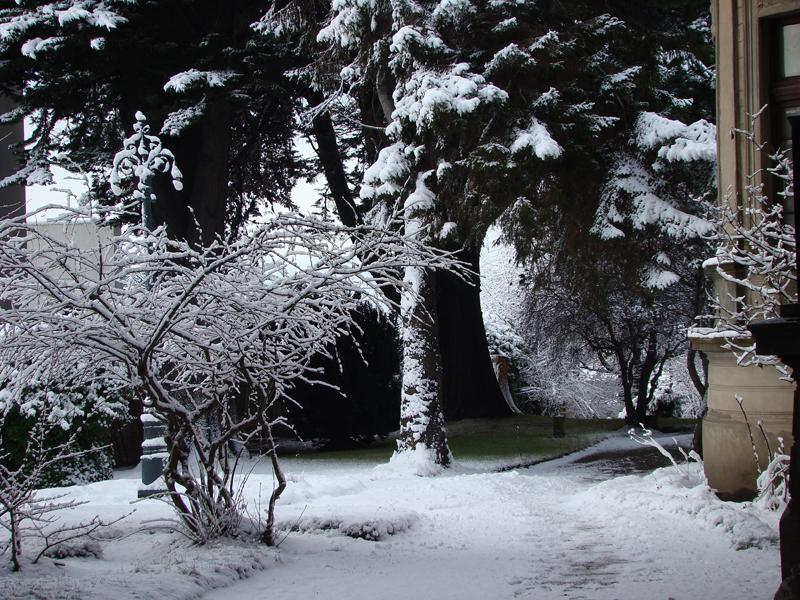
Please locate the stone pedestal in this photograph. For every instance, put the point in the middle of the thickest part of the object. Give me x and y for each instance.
(727, 449)
(154, 455)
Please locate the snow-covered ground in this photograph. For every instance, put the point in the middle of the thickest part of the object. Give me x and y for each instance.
(569, 528)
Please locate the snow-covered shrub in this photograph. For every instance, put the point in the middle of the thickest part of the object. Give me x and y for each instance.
(559, 382)
(772, 482)
(194, 331)
(28, 514)
(79, 413)
(372, 529)
(675, 394)
(503, 339)
(756, 254)
(82, 548)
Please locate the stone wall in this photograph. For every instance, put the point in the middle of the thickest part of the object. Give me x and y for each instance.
(740, 32)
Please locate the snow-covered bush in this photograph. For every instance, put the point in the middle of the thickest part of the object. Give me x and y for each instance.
(83, 414)
(772, 481)
(562, 381)
(676, 395)
(755, 254)
(193, 331)
(30, 515)
(503, 339)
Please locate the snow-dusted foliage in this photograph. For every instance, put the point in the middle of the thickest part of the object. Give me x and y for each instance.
(755, 257)
(211, 339)
(613, 241)
(22, 26)
(621, 328)
(445, 121)
(182, 81)
(30, 516)
(565, 381)
(77, 415)
(773, 482)
(676, 394)
(78, 69)
(664, 186)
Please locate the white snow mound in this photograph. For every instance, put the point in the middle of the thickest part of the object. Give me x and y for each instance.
(685, 493)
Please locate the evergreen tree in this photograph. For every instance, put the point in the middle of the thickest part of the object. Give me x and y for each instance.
(80, 70)
(529, 111)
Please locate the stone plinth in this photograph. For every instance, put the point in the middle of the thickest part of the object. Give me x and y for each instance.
(727, 450)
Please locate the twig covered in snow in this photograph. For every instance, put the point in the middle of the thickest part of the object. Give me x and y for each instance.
(772, 481)
(25, 512)
(646, 439)
(755, 255)
(198, 333)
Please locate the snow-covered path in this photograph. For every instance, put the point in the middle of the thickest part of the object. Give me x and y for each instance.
(557, 530)
(569, 528)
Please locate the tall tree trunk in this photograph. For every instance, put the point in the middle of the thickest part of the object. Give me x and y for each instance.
(628, 370)
(197, 213)
(645, 368)
(469, 385)
(12, 198)
(331, 160)
(421, 419)
(631, 418)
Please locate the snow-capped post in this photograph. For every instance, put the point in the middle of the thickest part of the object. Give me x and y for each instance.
(142, 157)
(781, 337)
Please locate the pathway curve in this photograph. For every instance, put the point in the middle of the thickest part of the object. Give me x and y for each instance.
(566, 529)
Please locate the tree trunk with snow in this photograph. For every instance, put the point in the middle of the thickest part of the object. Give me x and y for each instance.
(421, 418)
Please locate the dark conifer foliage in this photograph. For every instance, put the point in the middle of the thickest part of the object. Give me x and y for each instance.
(80, 72)
(365, 366)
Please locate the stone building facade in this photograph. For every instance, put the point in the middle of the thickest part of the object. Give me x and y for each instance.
(758, 64)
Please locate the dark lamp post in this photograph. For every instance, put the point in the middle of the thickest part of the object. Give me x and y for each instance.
(781, 337)
(141, 159)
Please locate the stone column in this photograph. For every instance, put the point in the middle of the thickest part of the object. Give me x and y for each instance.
(727, 450)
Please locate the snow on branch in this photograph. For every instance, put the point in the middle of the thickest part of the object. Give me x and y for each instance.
(213, 339)
(755, 256)
(675, 140)
(180, 82)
